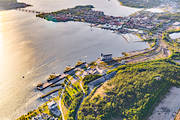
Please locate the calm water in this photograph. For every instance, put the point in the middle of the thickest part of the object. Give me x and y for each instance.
(35, 48)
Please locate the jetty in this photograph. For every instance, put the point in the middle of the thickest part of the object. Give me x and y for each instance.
(51, 81)
(29, 11)
(49, 93)
(48, 83)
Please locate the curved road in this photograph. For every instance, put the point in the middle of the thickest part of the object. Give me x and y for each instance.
(76, 118)
(61, 105)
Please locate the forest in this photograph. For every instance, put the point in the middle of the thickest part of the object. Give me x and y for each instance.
(133, 92)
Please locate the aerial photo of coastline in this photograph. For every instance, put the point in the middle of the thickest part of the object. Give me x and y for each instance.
(90, 59)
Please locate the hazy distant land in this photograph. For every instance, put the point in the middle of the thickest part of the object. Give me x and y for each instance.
(148, 3)
(11, 4)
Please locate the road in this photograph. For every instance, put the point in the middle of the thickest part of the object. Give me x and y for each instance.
(160, 50)
(61, 105)
(82, 87)
(76, 118)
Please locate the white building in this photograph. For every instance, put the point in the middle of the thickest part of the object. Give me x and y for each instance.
(106, 57)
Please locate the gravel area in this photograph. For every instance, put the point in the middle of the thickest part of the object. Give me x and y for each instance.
(168, 107)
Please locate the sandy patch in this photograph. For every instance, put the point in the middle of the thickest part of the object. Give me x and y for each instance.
(168, 107)
(178, 116)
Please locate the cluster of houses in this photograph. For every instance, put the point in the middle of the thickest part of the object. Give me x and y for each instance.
(89, 70)
(83, 70)
(142, 20)
(83, 14)
(54, 110)
(44, 116)
(53, 107)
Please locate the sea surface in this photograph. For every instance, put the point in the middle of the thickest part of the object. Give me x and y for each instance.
(34, 48)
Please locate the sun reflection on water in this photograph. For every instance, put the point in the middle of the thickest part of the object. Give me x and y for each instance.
(1, 41)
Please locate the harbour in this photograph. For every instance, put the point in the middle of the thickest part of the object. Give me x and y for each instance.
(26, 48)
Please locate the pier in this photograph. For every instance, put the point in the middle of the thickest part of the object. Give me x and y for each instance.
(47, 84)
(29, 11)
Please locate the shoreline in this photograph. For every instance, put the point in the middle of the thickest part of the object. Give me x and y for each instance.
(95, 61)
(151, 53)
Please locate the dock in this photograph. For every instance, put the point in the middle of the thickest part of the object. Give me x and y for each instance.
(49, 83)
(49, 93)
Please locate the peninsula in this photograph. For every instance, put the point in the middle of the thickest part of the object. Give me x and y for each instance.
(145, 21)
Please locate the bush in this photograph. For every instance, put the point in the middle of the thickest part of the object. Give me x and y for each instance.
(89, 78)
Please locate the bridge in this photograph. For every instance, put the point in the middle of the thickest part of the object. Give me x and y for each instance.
(29, 11)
